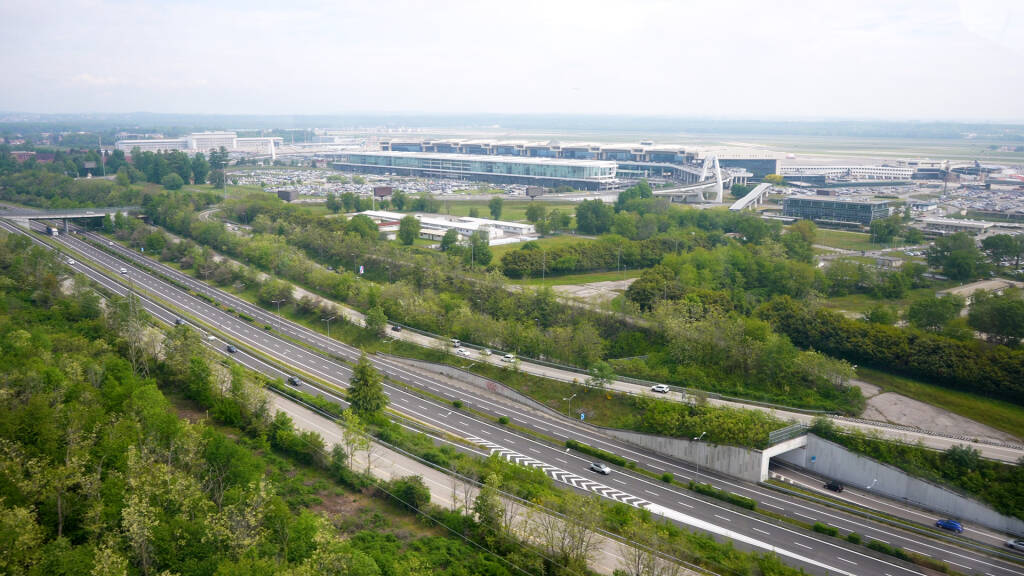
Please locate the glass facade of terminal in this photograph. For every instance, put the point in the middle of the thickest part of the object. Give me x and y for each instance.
(499, 166)
(835, 210)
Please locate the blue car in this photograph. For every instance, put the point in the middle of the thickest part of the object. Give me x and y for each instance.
(951, 525)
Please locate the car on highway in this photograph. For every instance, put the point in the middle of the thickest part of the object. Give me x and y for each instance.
(508, 358)
(456, 342)
(396, 328)
(178, 321)
(600, 468)
(124, 270)
(211, 337)
(834, 486)
(1016, 544)
(293, 381)
(951, 525)
(231, 349)
(71, 262)
(485, 352)
(660, 388)
(462, 352)
(109, 243)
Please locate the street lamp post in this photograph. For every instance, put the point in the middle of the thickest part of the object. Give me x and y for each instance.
(569, 400)
(698, 439)
(328, 321)
(278, 302)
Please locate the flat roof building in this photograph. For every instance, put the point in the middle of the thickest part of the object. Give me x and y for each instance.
(836, 210)
(434, 226)
(204, 142)
(581, 174)
(953, 225)
(851, 172)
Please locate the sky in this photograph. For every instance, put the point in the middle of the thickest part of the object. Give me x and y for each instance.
(757, 59)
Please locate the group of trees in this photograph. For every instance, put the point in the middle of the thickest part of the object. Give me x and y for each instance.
(173, 169)
(45, 189)
(971, 366)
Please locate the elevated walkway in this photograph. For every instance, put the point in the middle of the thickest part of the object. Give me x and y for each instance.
(753, 198)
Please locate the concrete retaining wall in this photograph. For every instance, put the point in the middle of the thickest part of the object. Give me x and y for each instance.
(731, 460)
(833, 461)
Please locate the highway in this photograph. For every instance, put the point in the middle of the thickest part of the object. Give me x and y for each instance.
(816, 553)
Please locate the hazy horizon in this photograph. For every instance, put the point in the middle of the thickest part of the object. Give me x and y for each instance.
(949, 61)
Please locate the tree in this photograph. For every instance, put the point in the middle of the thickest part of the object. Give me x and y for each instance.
(885, 229)
(495, 206)
(1004, 247)
(479, 252)
(332, 203)
(739, 190)
(775, 179)
(408, 230)
(398, 200)
(601, 375)
(474, 212)
(881, 314)
(376, 321)
(365, 393)
(200, 168)
(958, 256)
(450, 238)
(411, 492)
(594, 217)
(535, 212)
(353, 435)
(933, 314)
(217, 178)
(172, 181)
(999, 316)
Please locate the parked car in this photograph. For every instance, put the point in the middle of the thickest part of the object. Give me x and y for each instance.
(508, 358)
(1016, 544)
(396, 328)
(231, 349)
(660, 388)
(834, 486)
(951, 525)
(600, 468)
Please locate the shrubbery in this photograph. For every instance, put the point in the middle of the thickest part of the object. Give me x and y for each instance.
(736, 499)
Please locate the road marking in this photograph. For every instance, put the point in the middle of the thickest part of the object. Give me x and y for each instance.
(804, 515)
(772, 506)
(619, 481)
(560, 460)
(652, 493)
(916, 552)
(723, 518)
(845, 560)
(955, 564)
(684, 504)
(534, 450)
(873, 538)
(803, 545)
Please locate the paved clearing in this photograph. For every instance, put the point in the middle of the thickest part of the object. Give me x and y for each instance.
(595, 291)
(898, 409)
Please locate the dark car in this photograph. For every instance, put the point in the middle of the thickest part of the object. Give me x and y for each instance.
(834, 486)
(951, 525)
(396, 328)
(231, 349)
(294, 381)
(178, 321)
(1016, 544)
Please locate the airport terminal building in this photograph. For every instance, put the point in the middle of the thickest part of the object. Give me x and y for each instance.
(835, 210)
(551, 172)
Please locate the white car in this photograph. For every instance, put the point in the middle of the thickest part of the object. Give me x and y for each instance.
(462, 352)
(600, 468)
(508, 358)
(124, 270)
(660, 388)
(71, 262)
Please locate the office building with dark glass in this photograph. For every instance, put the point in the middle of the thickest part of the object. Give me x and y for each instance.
(580, 174)
(835, 210)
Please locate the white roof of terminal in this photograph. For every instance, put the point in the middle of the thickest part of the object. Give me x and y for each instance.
(500, 159)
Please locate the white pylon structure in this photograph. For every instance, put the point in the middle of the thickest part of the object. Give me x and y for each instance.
(711, 163)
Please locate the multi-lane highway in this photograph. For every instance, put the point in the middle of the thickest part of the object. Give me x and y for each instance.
(814, 552)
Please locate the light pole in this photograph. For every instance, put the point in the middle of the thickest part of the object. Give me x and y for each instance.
(569, 400)
(278, 302)
(328, 321)
(698, 439)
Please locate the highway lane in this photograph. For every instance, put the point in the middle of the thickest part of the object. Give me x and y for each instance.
(637, 487)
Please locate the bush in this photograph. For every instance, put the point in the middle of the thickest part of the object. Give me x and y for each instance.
(887, 549)
(667, 477)
(457, 404)
(172, 182)
(409, 491)
(825, 529)
(735, 499)
(598, 453)
(503, 420)
(853, 538)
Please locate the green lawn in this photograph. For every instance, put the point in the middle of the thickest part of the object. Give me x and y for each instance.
(864, 302)
(997, 414)
(550, 242)
(846, 240)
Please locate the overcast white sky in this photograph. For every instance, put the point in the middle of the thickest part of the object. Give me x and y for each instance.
(929, 59)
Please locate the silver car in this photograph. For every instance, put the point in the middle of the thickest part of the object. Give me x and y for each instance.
(1016, 544)
(600, 468)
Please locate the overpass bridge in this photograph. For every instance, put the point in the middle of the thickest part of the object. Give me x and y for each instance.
(753, 198)
(23, 216)
(710, 180)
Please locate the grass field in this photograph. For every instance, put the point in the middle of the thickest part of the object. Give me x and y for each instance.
(997, 414)
(846, 240)
(550, 242)
(863, 302)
